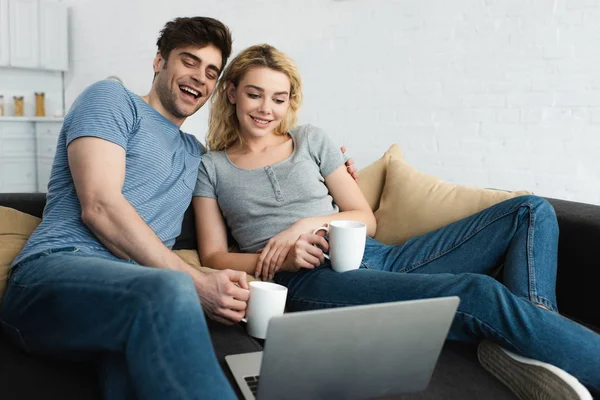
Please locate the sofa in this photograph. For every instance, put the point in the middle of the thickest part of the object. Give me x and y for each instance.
(457, 374)
(406, 202)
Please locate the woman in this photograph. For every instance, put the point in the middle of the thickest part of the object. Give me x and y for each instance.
(272, 185)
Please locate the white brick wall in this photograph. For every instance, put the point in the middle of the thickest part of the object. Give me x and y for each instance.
(493, 93)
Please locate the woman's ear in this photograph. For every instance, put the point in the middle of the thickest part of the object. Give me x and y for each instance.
(231, 92)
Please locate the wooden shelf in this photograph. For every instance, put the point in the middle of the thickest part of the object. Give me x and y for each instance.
(31, 119)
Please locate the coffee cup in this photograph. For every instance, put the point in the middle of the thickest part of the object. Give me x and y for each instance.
(346, 244)
(267, 300)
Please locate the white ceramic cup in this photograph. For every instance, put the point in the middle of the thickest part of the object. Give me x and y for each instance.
(266, 300)
(346, 244)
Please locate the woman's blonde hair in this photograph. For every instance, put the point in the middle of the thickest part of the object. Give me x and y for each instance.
(224, 128)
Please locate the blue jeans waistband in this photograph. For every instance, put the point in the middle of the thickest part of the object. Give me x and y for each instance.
(41, 254)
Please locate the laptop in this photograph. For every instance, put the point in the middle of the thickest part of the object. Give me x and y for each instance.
(356, 352)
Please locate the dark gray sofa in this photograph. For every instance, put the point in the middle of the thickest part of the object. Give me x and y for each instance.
(457, 374)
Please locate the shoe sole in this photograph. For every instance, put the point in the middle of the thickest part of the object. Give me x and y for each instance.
(518, 376)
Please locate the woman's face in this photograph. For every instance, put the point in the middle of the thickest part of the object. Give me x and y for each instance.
(262, 99)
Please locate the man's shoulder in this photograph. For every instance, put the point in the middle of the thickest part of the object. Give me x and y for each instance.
(108, 87)
(196, 145)
(103, 100)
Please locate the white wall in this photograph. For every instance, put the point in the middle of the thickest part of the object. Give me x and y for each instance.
(493, 93)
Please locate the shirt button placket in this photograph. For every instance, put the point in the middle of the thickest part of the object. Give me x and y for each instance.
(274, 183)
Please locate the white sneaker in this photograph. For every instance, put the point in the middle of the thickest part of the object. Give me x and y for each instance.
(528, 378)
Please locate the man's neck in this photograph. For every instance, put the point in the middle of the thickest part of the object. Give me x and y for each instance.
(154, 101)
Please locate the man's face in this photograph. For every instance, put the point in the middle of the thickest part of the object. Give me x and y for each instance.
(186, 80)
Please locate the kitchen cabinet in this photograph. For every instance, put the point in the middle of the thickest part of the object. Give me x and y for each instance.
(53, 36)
(27, 147)
(4, 42)
(24, 33)
(38, 34)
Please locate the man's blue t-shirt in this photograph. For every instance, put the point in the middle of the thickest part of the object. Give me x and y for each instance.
(160, 174)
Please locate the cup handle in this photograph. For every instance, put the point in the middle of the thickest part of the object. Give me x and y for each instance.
(326, 229)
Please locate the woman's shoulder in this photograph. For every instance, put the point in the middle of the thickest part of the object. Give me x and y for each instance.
(212, 156)
(308, 136)
(219, 162)
(306, 130)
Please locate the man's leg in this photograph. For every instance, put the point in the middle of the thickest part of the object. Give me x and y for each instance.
(522, 233)
(488, 310)
(115, 378)
(72, 306)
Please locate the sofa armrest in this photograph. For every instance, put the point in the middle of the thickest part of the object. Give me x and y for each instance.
(578, 260)
(30, 203)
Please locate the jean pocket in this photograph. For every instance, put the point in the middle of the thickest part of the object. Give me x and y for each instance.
(14, 335)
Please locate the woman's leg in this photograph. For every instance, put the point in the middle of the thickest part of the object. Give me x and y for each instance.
(488, 310)
(521, 233)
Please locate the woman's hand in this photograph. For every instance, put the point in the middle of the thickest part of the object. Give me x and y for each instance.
(275, 252)
(304, 253)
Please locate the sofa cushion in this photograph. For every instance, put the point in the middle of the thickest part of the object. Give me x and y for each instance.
(15, 229)
(372, 178)
(414, 203)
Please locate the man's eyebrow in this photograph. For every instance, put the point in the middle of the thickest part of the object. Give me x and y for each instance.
(199, 60)
(262, 90)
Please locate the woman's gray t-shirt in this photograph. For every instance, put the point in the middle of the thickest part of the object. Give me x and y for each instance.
(258, 204)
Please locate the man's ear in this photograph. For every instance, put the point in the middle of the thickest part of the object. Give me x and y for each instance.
(158, 63)
(231, 92)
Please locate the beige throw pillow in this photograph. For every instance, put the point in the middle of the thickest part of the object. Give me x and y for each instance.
(15, 229)
(414, 203)
(372, 178)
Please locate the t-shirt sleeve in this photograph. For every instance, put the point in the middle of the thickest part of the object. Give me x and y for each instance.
(326, 154)
(104, 110)
(206, 183)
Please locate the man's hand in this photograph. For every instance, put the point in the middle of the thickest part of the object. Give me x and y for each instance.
(221, 297)
(352, 170)
(304, 253)
(276, 250)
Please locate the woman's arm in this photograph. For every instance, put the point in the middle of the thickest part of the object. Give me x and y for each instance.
(353, 206)
(211, 234)
(347, 195)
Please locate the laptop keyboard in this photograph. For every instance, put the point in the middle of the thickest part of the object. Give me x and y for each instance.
(252, 382)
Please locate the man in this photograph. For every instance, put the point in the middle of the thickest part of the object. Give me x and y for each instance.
(122, 178)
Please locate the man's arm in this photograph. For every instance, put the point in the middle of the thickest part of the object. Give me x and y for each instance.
(350, 167)
(98, 170)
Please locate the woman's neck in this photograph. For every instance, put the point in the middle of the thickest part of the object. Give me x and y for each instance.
(250, 144)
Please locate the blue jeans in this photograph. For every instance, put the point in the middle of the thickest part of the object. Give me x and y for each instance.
(521, 233)
(145, 325)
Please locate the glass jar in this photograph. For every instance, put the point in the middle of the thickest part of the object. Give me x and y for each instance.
(40, 110)
(18, 106)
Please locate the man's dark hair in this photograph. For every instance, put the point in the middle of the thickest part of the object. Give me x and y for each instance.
(197, 31)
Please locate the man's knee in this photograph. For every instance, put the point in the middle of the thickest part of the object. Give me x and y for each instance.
(167, 289)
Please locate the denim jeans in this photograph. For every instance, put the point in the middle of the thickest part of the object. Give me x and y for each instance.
(521, 233)
(144, 325)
